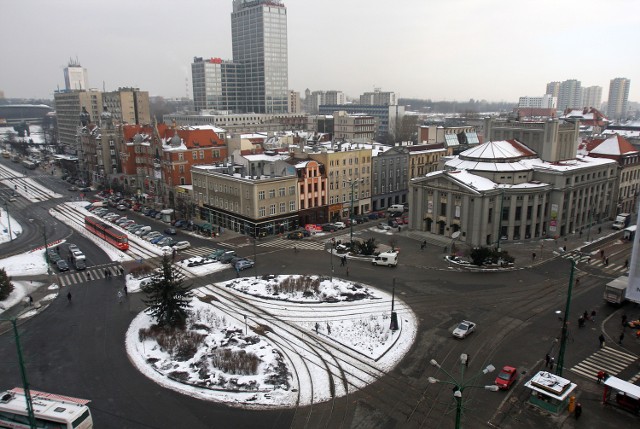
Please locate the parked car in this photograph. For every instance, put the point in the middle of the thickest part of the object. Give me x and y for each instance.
(243, 264)
(216, 254)
(196, 262)
(340, 225)
(122, 207)
(143, 230)
(166, 241)
(384, 226)
(180, 223)
(73, 247)
(227, 256)
(80, 264)
(295, 235)
(152, 213)
(85, 189)
(464, 329)
(181, 245)
(62, 265)
(127, 223)
(136, 207)
(53, 255)
(156, 239)
(373, 215)
(506, 377)
(170, 231)
(158, 215)
(121, 220)
(329, 227)
(152, 235)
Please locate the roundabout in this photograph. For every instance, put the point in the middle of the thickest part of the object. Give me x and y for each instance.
(275, 342)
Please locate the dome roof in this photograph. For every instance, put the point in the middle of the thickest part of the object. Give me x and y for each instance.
(138, 138)
(175, 140)
(498, 151)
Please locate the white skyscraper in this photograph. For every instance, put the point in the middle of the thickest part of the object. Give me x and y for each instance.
(592, 96)
(75, 76)
(618, 103)
(570, 95)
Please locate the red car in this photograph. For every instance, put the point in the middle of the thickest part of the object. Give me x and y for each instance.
(506, 378)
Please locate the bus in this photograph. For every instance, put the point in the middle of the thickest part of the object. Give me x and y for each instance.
(107, 233)
(50, 410)
(28, 164)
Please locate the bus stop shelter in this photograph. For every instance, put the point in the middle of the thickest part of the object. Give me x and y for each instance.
(549, 391)
(627, 395)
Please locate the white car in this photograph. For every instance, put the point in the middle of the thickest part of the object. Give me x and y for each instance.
(181, 245)
(340, 225)
(463, 329)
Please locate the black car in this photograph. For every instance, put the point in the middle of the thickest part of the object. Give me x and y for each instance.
(329, 227)
(296, 235)
(170, 231)
(62, 265)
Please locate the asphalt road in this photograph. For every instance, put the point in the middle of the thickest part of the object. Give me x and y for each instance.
(77, 348)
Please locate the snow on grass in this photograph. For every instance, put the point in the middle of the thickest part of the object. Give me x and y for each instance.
(297, 288)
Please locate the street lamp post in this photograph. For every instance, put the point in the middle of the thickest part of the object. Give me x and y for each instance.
(23, 373)
(6, 207)
(352, 183)
(565, 321)
(460, 386)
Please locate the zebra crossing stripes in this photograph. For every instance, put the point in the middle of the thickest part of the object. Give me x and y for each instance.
(78, 277)
(582, 258)
(606, 359)
(290, 244)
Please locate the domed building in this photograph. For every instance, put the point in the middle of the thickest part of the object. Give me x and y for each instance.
(501, 190)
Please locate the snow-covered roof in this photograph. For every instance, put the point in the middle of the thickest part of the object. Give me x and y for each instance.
(266, 157)
(498, 150)
(614, 145)
(203, 127)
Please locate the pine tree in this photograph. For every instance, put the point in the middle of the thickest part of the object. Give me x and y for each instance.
(6, 287)
(167, 296)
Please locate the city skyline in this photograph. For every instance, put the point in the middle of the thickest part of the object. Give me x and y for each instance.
(481, 50)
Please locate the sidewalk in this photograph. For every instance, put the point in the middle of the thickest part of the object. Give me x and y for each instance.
(23, 311)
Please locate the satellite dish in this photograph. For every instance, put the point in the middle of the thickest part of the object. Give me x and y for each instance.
(455, 235)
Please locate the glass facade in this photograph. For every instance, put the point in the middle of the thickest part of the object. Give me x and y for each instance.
(259, 35)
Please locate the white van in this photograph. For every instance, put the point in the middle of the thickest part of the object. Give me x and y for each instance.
(396, 208)
(390, 259)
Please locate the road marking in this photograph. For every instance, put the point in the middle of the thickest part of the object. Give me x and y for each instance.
(607, 359)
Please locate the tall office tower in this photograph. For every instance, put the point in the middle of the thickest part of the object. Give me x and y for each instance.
(259, 39)
(618, 103)
(592, 96)
(75, 76)
(553, 89)
(215, 84)
(570, 94)
(334, 97)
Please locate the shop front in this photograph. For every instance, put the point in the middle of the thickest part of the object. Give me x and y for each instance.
(550, 392)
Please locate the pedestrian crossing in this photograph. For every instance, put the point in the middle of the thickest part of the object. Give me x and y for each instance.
(595, 261)
(606, 359)
(99, 272)
(290, 244)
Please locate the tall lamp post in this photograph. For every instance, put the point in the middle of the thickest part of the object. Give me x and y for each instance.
(460, 386)
(565, 321)
(23, 373)
(352, 183)
(6, 208)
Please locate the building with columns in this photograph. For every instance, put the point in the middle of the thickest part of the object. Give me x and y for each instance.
(502, 190)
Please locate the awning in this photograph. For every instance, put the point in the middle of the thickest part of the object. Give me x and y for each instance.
(206, 227)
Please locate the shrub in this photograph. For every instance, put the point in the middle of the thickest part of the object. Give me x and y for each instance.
(235, 362)
(6, 287)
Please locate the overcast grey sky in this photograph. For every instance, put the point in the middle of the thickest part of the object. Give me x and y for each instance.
(440, 49)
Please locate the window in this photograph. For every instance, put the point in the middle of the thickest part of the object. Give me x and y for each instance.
(292, 206)
(281, 191)
(261, 195)
(194, 154)
(262, 212)
(201, 154)
(292, 190)
(283, 207)
(181, 169)
(272, 193)
(272, 209)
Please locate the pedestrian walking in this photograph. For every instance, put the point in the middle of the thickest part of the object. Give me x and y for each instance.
(624, 320)
(533, 256)
(547, 359)
(585, 315)
(606, 261)
(600, 376)
(343, 261)
(580, 233)
(602, 253)
(593, 315)
(30, 301)
(237, 272)
(106, 273)
(317, 327)
(626, 264)
(599, 229)
(119, 296)
(601, 338)
(347, 271)
(620, 338)
(581, 322)
(69, 297)
(121, 271)
(126, 291)
(578, 410)
(551, 362)
(295, 249)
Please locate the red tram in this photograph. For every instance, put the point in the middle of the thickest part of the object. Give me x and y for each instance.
(107, 233)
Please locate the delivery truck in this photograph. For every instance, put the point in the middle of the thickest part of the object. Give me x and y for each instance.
(622, 221)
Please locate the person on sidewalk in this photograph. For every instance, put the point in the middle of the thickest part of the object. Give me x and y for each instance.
(601, 339)
(547, 359)
(621, 338)
(69, 296)
(119, 296)
(600, 376)
(578, 410)
(624, 320)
